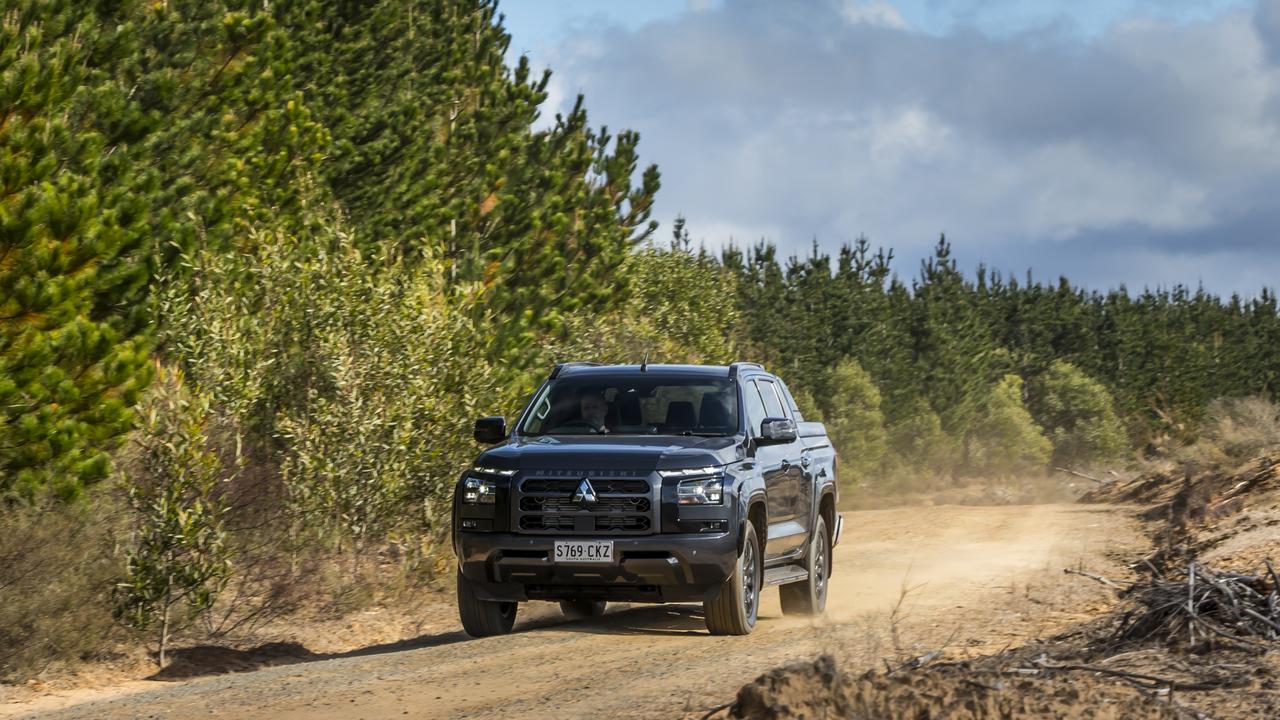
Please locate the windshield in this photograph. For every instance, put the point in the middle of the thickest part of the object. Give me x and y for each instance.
(634, 404)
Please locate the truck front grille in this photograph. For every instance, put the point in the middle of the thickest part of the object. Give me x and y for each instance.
(623, 506)
(568, 486)
(565, 504)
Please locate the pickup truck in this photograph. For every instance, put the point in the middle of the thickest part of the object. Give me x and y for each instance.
(648, 483)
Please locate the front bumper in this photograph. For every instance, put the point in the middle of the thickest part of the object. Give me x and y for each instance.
(673, 567)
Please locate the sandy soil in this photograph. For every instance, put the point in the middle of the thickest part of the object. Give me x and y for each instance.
(907, 580)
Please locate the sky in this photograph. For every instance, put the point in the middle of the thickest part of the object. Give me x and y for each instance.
(1115, 142)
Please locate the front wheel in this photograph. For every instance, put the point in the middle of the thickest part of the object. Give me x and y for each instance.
(809, 597)
(482, 618)
(733, 610)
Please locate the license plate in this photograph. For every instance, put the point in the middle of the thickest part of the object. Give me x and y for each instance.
(584, 551)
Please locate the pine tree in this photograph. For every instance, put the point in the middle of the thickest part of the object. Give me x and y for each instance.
(70, 368)
(955, 352)
(435, 155)
(228, 140)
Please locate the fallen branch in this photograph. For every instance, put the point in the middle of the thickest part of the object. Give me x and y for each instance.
(716, 709)
(1080, 474)
(1099, 578)
(1148, 682)
(1203, 605)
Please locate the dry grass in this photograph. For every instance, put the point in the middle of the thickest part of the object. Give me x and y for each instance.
(58, 566)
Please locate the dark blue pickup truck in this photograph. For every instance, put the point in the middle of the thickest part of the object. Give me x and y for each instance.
(648, 483)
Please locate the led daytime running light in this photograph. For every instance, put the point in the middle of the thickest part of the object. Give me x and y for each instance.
(690, 472)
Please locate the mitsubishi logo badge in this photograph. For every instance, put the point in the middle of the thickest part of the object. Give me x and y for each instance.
(585, 494)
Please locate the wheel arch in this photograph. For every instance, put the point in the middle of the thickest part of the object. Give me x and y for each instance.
(827, 511)
(757, 513)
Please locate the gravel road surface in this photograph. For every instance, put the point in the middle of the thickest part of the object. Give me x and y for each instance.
(972, 579)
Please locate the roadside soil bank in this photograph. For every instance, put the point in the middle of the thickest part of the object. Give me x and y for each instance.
(1190, 630)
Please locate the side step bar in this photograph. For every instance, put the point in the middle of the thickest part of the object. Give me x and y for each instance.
(785, 574)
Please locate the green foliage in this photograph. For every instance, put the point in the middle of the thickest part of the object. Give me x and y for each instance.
(1077, 413)
(681, 308)
(1005, 439)
(854, 421)
(919, 450)
(385, 430)
(359, 378)
(936, 345)
(70, 366)
(225, 137)
(180, 559)
(808, 406)
(434, 153)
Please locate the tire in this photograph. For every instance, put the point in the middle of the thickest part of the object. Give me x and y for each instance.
(809, 597)
(578, 609)
(734, 609)
(482, 618)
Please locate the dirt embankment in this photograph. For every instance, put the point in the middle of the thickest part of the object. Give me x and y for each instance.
(1191, 630)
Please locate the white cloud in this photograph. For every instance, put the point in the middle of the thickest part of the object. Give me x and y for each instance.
(872, 12)
(797, 120)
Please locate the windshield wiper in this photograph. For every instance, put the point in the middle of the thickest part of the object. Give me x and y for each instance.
(688, 433)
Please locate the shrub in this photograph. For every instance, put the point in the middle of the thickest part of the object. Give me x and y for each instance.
(854, 421)
(1005, 440)
(356, 378)
(179, 560)
(404, 375)
(1078, 415)
(808, 406)
(1241, 428)
(681, 308)
(918, 446)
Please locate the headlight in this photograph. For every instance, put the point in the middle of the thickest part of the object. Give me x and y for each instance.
(492, 471)
(708, 490)
(705, 485)
(478, 491)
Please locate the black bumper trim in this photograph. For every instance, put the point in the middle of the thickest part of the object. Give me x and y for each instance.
(669, 567)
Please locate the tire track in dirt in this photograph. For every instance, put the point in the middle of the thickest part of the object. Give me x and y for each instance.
(972, 570)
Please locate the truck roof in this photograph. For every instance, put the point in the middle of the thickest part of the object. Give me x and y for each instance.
(653, 368)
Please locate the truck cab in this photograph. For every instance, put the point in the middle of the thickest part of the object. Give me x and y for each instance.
(648, 483)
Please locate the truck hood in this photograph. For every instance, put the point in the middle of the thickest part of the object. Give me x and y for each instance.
(638, 453)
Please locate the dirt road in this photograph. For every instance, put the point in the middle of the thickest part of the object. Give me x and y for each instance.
(977, 579)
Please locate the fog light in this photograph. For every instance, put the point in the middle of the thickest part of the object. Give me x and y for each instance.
(468, 524)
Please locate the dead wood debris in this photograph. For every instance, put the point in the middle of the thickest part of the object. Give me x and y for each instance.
(1202, 607)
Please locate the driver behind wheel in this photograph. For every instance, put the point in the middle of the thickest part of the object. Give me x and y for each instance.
(594, 409)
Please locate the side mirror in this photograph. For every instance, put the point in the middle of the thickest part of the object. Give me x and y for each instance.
(774, 431)
(490, 430)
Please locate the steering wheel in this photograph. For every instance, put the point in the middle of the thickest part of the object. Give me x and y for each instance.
(579, 424)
